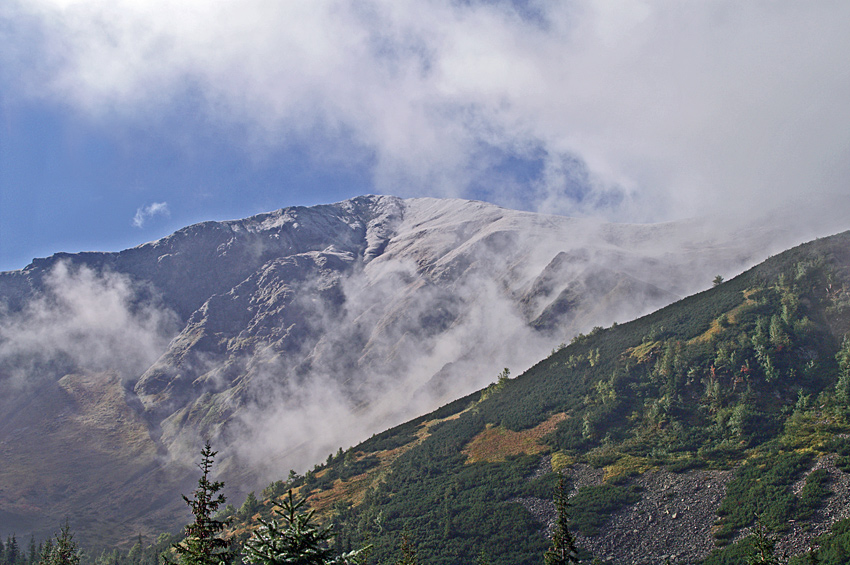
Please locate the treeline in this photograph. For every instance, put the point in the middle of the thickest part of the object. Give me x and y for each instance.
(11, 552)
(61, 549)
(291, 535)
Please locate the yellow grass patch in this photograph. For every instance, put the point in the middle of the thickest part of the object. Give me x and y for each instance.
(731, 316)
(627, 464)
(354, 489)
(496, 444)
(642, 352)
(562, 461)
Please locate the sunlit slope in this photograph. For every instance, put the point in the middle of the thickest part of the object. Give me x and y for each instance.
(741, 390)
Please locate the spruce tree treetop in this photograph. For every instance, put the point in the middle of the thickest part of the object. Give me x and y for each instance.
(294, 539)
(203, 544)
(62, 550)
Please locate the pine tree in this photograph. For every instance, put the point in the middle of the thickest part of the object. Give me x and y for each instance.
(62, 550)
(203, 544)
(250, 507)
(762, 545)
(33, 553)
(46, 552)
(12, 550)
(294, 539)
(563, 549)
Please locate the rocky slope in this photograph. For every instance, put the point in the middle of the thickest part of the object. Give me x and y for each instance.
(288, 334)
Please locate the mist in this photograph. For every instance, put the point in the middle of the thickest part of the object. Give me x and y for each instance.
(321, 349)
(732, 116)
(401, 347)
(82, 321)
(402, 337)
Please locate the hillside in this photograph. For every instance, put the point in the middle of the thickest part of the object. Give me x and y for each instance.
(676, 430)
(287, 334)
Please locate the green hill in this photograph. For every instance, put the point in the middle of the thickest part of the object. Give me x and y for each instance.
(715, 409)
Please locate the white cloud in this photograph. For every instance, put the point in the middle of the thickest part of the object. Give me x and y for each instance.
(146, 212)
(676, 108)
(82, 321)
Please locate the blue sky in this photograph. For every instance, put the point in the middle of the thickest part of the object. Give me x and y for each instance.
(124, 120)
(73, 185)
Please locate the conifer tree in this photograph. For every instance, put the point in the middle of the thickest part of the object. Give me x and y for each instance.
(12, 550)
(563, 549)
(33, 553)
(294, 539)
(203, 544)
(762, 545)
(62, 550)
(250, 507)
(46, 552)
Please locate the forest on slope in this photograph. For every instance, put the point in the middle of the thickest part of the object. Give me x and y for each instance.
(751, 377)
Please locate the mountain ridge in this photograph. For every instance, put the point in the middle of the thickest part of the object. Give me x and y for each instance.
(369, 310)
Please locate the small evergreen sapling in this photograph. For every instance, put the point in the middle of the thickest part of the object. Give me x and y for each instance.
(563, 549)
(408, 552)
(763, 545)
(294, 539)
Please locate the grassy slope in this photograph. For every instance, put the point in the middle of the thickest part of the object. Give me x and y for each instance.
(121, 457)
(744, 371)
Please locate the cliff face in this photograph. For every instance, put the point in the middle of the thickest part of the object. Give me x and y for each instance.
(288, 334)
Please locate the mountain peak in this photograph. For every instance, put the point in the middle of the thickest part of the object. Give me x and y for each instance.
(325, 322)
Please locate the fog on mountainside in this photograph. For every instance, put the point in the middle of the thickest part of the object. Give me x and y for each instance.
(289, 334)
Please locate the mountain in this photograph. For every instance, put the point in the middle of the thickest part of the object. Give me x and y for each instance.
(288, 334)
(679, 434)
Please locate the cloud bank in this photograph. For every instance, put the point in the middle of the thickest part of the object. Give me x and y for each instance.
(380, 359)
(644, 110)
(83, 321)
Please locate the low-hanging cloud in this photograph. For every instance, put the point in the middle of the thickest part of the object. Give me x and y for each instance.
(375, 363)
(410, 335)
(672, 109)
(144, 213)
(82, 321)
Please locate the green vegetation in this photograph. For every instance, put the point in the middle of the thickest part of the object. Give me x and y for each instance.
(593, 504)
(61, 550)
(762, 486)
(743, 373)
(756, 549)
(833, 548)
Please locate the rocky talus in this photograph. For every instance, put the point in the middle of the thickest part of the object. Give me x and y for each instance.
(674, 519)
